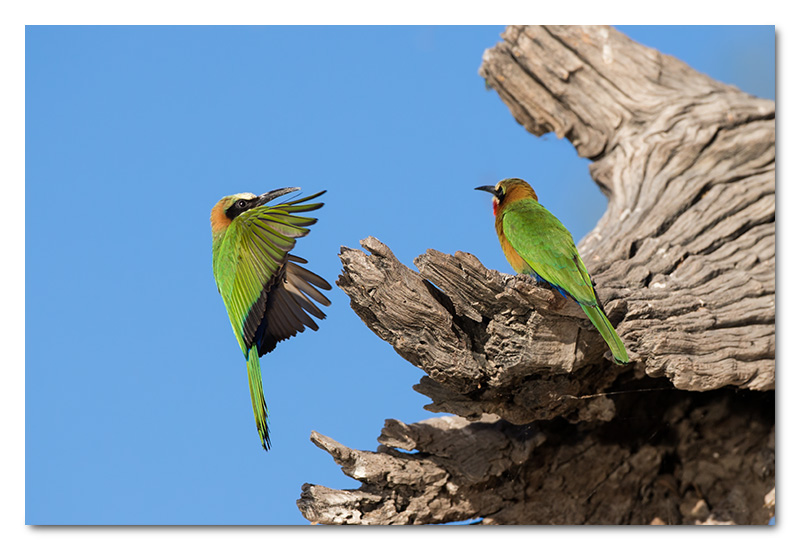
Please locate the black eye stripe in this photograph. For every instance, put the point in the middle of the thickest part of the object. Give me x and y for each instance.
(238, 207)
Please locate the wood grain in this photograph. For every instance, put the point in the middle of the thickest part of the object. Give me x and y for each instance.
(546, 428)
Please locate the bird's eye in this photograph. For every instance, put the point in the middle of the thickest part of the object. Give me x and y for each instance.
(241, 204)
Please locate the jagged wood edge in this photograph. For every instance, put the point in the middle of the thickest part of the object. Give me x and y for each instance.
(688, 163)
(725, 183)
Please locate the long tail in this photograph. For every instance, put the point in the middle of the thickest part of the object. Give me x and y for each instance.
(599, 320)
(257, 396)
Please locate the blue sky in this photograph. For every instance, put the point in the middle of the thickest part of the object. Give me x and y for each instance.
(136, 406)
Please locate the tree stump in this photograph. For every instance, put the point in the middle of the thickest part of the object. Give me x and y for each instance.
(546, 429)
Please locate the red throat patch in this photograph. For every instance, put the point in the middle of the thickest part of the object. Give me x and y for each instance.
(495, 204)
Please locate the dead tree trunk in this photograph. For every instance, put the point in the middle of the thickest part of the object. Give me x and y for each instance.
(546, 429)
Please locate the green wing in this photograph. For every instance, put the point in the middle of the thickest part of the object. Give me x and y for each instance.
(548, 248)
(550, 252)
(265, 292)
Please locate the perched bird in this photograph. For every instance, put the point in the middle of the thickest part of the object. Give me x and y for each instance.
(267, 293)
(536, 243)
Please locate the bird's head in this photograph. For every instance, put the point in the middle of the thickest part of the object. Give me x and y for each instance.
(508, 191)
(226, 210)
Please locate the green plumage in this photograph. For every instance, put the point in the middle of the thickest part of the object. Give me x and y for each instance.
(260, 410)
(537, 243)
(266, 293)
(547, 248)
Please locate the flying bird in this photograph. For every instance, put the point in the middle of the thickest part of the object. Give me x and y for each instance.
(266, 291)
(536, 243)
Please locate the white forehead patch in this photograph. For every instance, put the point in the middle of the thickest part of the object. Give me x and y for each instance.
(245, 196)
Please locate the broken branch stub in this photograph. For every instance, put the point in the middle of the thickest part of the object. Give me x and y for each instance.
(548, 430)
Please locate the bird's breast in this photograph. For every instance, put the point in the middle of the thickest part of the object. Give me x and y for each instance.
(518, 264)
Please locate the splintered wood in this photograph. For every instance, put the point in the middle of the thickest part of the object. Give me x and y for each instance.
(546, 429)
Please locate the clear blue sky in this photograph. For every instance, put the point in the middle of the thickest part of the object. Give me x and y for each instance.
(137, 407)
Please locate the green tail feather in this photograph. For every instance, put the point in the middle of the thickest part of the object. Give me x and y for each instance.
(257, 396)
(608, 333)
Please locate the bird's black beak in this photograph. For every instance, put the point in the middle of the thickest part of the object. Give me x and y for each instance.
(266, 197)
(488, 188)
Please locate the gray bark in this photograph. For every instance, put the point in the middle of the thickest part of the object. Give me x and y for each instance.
(547, 429)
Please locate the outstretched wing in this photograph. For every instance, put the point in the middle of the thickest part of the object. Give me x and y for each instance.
(266, 293)
(548, 248)
(286, 305)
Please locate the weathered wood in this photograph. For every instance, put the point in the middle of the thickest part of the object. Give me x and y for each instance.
(489, 343)
(684, 261)
(671, 457)
(688, 164)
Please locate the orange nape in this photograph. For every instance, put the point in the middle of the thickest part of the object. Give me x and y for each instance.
(518, 191)
(219, 220)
